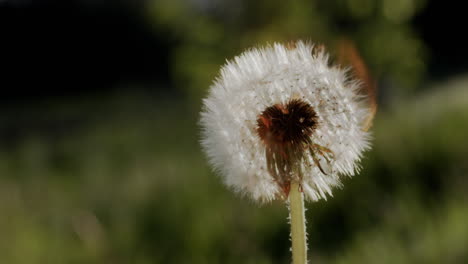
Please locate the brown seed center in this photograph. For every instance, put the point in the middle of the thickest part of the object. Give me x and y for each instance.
(285, 129)
(289, 124)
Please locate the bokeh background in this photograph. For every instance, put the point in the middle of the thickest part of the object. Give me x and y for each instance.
(99, 153)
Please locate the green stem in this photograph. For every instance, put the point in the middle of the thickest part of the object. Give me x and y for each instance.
(297, 217)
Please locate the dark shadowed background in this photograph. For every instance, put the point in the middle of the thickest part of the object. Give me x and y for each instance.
(99, 153)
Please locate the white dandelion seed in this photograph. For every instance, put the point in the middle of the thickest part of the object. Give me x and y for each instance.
(280, 114)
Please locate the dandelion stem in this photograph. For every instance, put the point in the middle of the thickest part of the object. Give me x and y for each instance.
(297, 217)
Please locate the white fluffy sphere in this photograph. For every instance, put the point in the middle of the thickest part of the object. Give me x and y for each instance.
(272, 77)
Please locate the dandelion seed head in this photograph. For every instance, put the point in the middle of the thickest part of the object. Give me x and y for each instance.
(282, 113)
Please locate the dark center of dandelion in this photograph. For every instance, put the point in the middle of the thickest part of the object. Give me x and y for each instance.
(285, 129)
(289, 124)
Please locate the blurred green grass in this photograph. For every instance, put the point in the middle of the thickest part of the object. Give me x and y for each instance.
(206, 33)
(129, 184)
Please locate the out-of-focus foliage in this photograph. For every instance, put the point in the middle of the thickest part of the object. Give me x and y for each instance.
(205, 33)
(130, 185)
(121, 179)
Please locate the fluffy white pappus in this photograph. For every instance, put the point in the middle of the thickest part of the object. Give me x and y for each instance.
(263, 77)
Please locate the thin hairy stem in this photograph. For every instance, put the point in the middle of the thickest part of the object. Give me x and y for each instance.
(298, 228)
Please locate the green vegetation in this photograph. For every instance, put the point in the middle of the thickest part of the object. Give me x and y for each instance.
(121, 178)
(130, 185)
(205, 33)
